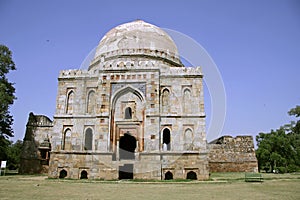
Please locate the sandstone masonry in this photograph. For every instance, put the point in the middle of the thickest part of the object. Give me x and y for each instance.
(135, 113)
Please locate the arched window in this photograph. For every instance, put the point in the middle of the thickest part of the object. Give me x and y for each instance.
(91, 102)
(66, 144)
(128, 113)
(168, 175)
(165, 100)
(70, 103)
(187, 108)
(63, 173)
(83, 174)
(88, 142)
(191, 175)
(166, 140)
(188, 139)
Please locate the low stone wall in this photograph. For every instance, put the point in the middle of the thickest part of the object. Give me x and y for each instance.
(233, 167)
(228, 154)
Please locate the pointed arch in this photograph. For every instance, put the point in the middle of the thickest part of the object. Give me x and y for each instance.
(70, 102)
(191, 175)
(128, 113)
(66, 141)
(168, 175)
(63, 174)
(88, 139)
(91, 102)
(187, 108)
(118, 112)
(165, 100)
(166, 139)
(124, 91)
(188, 139)
(83, 174)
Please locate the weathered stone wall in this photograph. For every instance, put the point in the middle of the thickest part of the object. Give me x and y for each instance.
(166, 104)
(228, 154)
(151, 166)
(97, 165)
(180, 164)
(38, 130)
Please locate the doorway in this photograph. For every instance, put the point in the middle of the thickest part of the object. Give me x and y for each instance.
(126, 171)
(127, 147)
(168, 175)
(191, 175)
(83, 174)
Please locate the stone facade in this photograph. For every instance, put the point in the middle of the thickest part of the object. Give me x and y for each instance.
(228, 154)
(135, 113)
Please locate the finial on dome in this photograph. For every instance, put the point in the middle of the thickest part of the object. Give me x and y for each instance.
(139, 20)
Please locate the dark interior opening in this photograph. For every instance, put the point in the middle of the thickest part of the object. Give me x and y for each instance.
(83, 174)
(126, 171)
(63, 173)
(167, 138)
(168, 176)
(127, 147)
(88, 143)
(128, 113)
(191, 175)
(43, 154)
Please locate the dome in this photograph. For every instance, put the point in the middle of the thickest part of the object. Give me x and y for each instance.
(138, 38)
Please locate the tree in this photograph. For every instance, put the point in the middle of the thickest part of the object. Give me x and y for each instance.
(280, 149)
(14, 155)
(295, 111)
(7, 97)
(4, 144)
(294, 135)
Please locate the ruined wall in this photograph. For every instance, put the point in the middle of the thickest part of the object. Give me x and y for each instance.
(36, 140)
(228, 154)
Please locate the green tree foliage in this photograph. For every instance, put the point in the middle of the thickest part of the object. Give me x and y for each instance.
(295, 111)
(7, 98)
(280, 149)
(14, 155)
(7, 91)
(4, 144)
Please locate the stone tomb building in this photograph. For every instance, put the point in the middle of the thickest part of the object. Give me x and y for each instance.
(135, 113)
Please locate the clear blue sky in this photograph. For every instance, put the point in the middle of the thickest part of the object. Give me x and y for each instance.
(255, 44)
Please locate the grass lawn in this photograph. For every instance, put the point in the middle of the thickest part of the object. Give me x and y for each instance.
(223, 186)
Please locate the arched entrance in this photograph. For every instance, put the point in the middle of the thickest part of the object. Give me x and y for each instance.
(83, 174)
(168, 176)
(127, 114)
(63, 173)
(127, 145)
(191, 175)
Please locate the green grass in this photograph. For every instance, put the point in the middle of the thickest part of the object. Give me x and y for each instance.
(240, 176)
(222, 186)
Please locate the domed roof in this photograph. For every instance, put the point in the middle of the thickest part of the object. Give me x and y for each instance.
(138, 38)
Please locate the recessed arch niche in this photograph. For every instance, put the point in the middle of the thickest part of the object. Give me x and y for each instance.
(127, 117)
